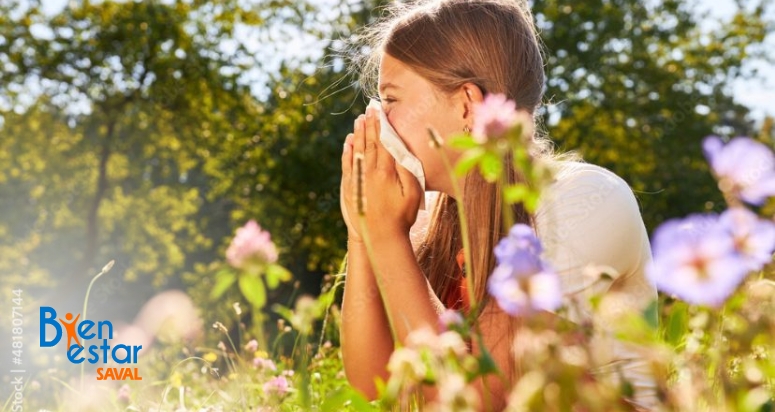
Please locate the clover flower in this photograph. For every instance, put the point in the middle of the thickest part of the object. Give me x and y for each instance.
(744, 167)
(406, 365)
(696, 259)
(251, 245)
(456, 395)
(124, 394)
(276, 386)
(521, 282)
(251, 346)
(495, 116)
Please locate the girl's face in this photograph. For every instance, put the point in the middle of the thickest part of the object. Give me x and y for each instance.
(413, 104)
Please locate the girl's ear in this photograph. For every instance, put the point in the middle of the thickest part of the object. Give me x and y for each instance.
(472, 95)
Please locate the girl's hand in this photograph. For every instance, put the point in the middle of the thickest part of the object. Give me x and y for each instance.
(391, 193)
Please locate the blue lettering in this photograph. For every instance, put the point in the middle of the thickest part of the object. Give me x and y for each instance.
(84, 328)
(94, 355)
(48, 316)
(127, 353)
(71, 356)
(110, 329)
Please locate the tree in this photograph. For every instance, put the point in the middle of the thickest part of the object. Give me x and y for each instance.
(638, 86)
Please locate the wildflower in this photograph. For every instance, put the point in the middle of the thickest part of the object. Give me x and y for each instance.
(169, 316)
(496, 116)
(456, 395)
(406, 365)
(450, 318)
(522, 282)
(276, 386)
(237, 309)
(124, 393)
(745, 168)
(220, 327)
(210, 357)
(437, 344)
(305, 313)
(251, 246)
(262, 363)
(695, 258)
(222, 346)
(753, 238)
(251, 346)
(452, 342)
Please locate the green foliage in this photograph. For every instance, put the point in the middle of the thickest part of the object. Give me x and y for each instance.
(636, 86)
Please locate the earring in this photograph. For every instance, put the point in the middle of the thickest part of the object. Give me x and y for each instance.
(466, 129)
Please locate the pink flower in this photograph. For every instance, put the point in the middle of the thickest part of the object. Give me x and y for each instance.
(277, 386)
(251, 346)
(450, 318)
(495, 116)
(262, 363)
(124, 393)
(251, 245)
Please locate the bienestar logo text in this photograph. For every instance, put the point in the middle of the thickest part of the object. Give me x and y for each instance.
(83, 332)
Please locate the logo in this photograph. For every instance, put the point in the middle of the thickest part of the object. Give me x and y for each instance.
(81, 349)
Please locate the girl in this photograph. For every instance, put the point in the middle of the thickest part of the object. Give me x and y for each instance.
(435, 60)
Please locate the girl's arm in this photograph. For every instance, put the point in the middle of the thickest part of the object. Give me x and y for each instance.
(412, 305)
(365, 333)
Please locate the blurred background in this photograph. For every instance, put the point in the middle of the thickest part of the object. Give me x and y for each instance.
(146, 132)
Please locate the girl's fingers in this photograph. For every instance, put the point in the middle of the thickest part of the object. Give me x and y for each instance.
(347, 157)
(359, 143)
(372, 139)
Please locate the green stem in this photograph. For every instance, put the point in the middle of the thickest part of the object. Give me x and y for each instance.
(258, 325)
(105, 269)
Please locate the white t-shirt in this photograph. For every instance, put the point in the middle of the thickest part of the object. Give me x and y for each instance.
(589, 217)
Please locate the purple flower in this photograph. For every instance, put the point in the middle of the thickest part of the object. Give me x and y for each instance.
(251, 246)
(495, 116)
(522, 282)
(276, 386)
(744, 167)
(753, 238)
(695, 259)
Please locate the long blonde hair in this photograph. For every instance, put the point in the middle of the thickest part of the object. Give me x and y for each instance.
(494, 45)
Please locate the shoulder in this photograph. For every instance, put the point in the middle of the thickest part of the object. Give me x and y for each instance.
(580, 191)
(589, 215)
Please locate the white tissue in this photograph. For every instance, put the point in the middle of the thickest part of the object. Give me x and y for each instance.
(396, 147)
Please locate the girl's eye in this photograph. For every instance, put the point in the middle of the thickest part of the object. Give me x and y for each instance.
(386, 100)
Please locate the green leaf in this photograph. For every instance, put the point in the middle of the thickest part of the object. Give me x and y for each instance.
(516, 193)
(281, 310)
(491, 166)
(336, 401)
(463, 142)
(276, 274)
(253, 290)
(223, 281)
(651, 314)
(487, 364)
(677, 324)
(468, 161)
